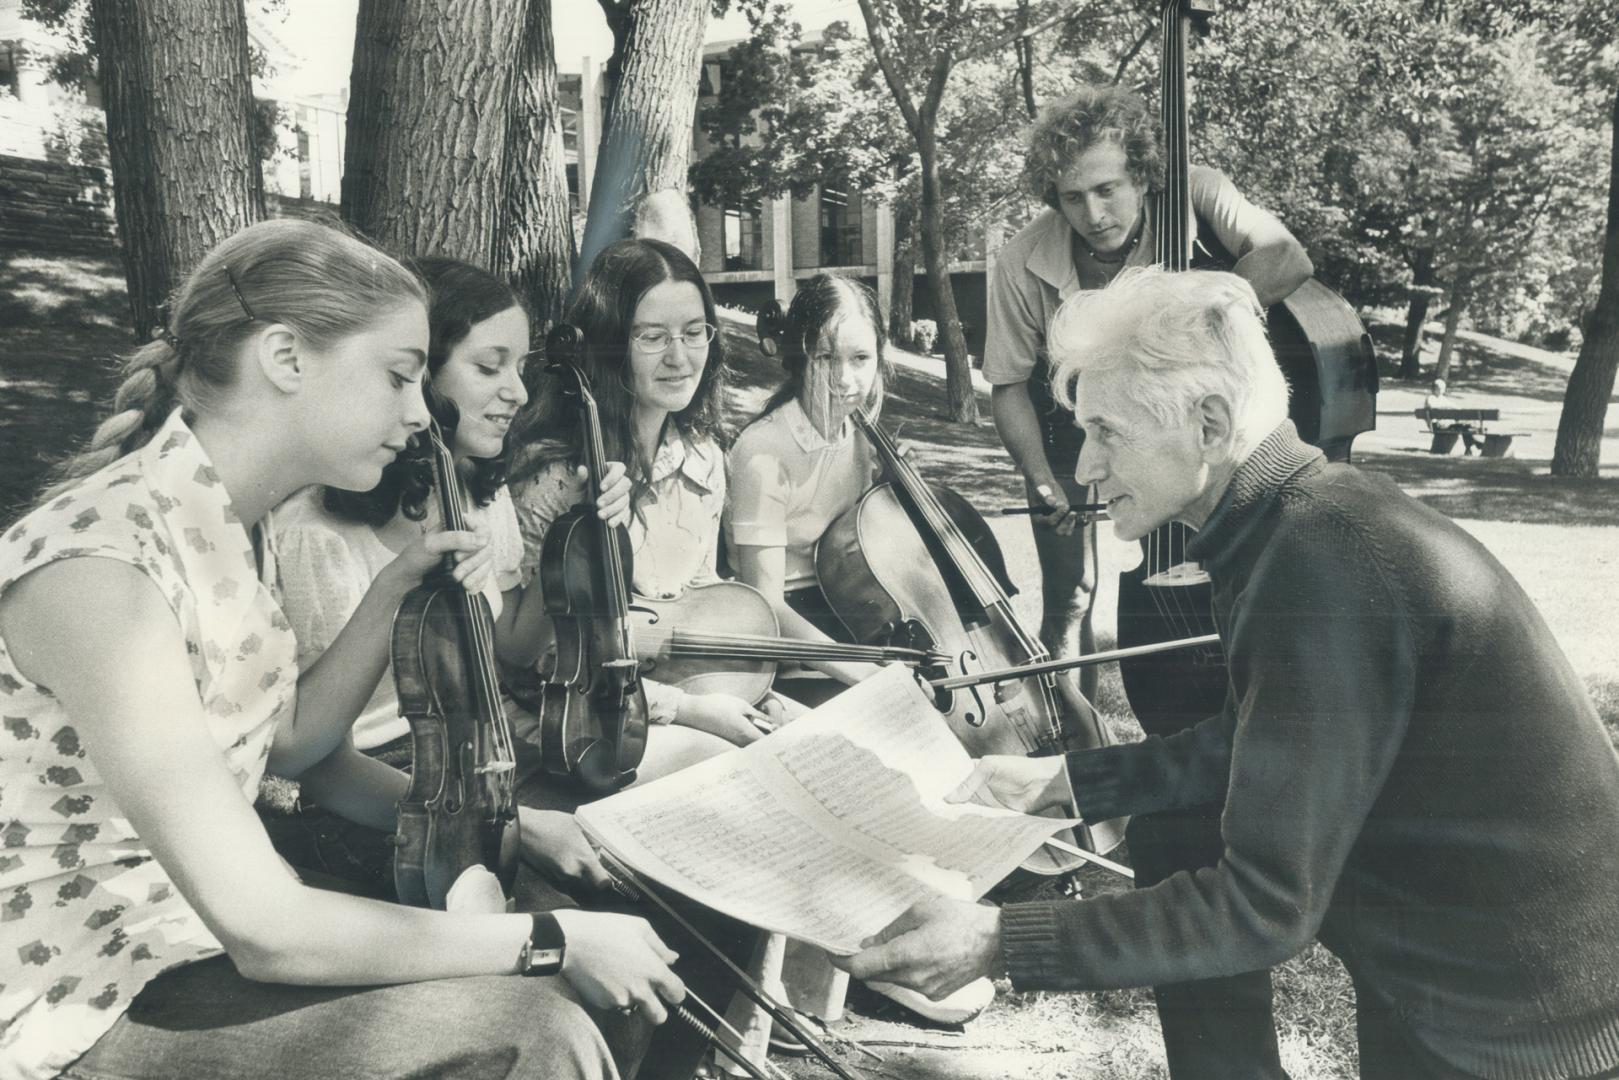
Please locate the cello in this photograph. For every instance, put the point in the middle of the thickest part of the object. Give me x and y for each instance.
(909, 553)
(1326, 355)
(460, 810)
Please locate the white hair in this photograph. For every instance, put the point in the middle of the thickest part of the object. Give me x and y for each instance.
(1170, 339)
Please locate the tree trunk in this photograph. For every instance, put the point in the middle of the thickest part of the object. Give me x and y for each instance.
(1416, 314)
(1023, 49)
(900, 311)
(1590, 386)
(534, 244)
(427, 123)
(958, 372)
(1453, 318)
(646, 140)
(175, 83)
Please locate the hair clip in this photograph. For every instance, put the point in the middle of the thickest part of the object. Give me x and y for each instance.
(161, 332)
(240, 299)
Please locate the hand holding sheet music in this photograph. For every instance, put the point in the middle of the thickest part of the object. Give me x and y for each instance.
(829, 828)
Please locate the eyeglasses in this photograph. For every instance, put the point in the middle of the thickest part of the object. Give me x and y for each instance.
(658, 339)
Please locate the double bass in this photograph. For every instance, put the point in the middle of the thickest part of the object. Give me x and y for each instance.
(1326, 355)
(461, 808)
(911, 553)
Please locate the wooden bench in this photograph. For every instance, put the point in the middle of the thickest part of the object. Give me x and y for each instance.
(1447, 426)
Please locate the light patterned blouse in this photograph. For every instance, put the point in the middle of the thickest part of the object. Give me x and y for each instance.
(87, 916)
(674, 532)
(328, 563)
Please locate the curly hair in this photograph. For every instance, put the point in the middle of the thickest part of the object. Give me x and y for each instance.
(604, 311)
(460, 297)
(1093, 115)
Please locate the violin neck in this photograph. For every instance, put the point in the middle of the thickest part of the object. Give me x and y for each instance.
(748, 647)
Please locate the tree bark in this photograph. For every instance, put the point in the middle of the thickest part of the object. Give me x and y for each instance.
(646, 139)
(176, 88)
(962, 402)
(901, 312)
(534, 244)
(1453, 318)
(427, 124)
(1578, 451)
(1416, 314)
(923, 124)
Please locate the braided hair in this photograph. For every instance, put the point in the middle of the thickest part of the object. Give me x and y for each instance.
(322, 281)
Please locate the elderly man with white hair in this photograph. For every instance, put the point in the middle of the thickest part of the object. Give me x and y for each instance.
(1410, 771)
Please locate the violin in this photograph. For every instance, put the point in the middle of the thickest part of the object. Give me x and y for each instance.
(1331, 370)
(593, 710)
(723, 638)
(461, 808)
(910, 552)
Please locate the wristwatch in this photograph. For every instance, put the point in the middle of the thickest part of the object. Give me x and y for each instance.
(542, 952)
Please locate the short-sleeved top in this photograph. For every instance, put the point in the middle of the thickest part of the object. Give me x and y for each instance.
(674, 532)
(788, 482)
(87, 916)
(328, 563)
(1035, 270)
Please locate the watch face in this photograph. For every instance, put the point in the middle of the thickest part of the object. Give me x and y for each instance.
(544, 962)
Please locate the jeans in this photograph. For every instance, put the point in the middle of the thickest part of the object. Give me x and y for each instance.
(205, 1020)
(1065, 586)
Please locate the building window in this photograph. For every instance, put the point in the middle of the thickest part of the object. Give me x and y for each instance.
(744, 238)
(840, 224)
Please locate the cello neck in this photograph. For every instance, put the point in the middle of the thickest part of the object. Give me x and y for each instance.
(930, 516)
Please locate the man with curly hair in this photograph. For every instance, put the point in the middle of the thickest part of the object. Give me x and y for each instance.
(1097, 160)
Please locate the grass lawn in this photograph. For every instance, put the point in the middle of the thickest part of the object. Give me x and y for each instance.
(1561, 539)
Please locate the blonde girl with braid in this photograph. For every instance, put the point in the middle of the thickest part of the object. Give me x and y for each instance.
(148, 677)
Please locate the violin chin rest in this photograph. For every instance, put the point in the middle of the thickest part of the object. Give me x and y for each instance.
(597, 768)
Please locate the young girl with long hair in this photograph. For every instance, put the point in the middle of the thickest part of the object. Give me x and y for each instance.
(148, 677)
(656, 367)
(801, 463)
(341, 550)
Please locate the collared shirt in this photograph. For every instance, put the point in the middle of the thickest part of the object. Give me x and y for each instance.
(1035, 271)
(328, 564)
(87, 916)
(674, 530)
(789, 482)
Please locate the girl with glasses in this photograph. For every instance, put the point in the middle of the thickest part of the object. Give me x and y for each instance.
(148, 677)
(657, 371)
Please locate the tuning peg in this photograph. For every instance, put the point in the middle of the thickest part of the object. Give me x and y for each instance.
(771, 325)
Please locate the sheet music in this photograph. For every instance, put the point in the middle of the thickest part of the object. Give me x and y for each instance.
(828, 828)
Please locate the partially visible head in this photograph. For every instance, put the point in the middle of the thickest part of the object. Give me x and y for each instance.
(1439, 387)
(478, 345)
(288, 315)
(1175, 384)
(667, 216)
(834, 350)
(1095, 157)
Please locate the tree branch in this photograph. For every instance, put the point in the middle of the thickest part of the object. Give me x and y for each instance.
(1146, 35)
(877, 32)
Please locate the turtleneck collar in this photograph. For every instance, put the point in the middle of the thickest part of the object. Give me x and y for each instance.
(1275, 461)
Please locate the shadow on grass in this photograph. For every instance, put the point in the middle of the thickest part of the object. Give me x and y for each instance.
(67, 323)
(1499, 489)
(1480, 367)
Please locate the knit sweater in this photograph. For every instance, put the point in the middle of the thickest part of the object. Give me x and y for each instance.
(1416, 776)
